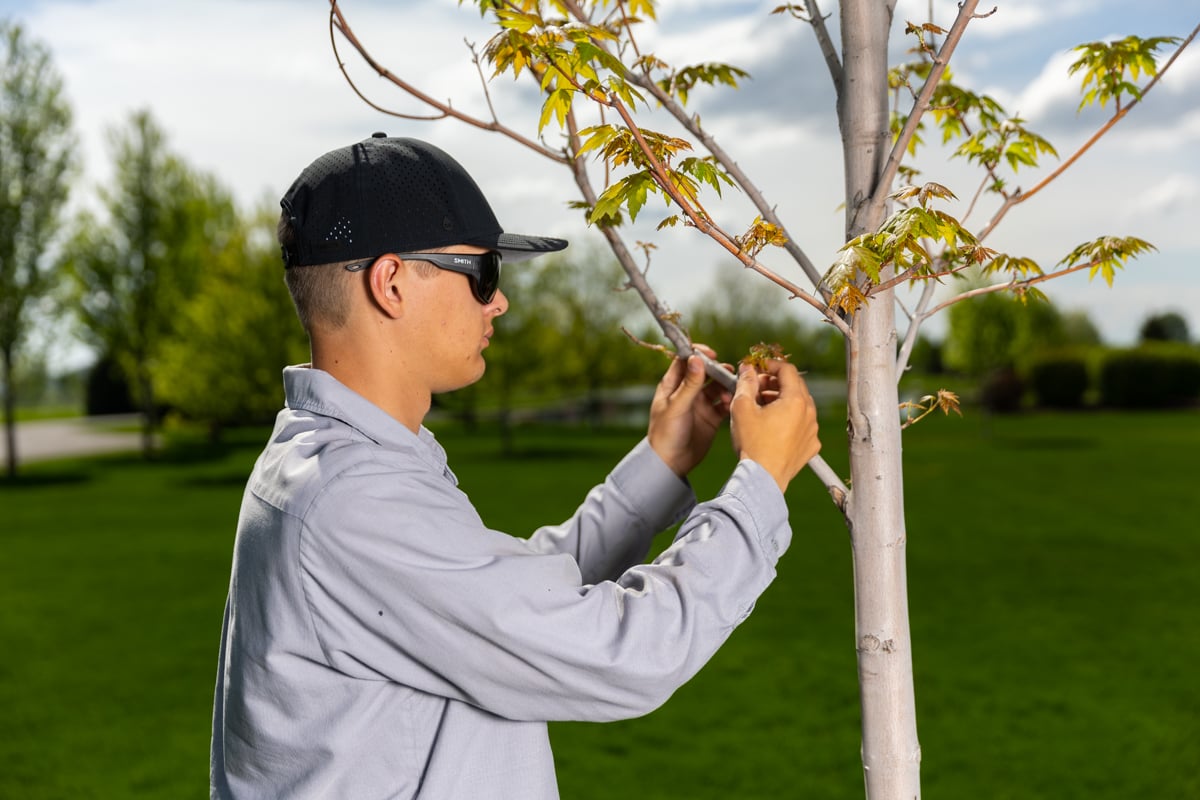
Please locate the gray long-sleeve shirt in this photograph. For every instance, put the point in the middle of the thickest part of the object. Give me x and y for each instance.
(380, 641)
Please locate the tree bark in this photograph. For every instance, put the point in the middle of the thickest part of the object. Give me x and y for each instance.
(875, 510)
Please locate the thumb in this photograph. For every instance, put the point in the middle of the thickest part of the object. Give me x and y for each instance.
(693, 380)
(747, 383)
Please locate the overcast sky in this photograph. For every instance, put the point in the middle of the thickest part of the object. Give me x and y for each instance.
(250, 90)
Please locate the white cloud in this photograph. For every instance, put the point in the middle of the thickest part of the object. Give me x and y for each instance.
(1174, 193)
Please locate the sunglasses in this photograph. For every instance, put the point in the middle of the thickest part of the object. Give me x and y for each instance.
(482, 269)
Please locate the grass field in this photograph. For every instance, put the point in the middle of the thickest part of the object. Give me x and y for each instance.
(1054, 576)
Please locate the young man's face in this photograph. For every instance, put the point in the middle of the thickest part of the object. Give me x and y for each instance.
(452, 326)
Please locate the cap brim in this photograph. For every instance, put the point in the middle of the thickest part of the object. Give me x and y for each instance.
(516, 247)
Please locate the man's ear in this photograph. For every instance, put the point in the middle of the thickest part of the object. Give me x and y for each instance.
(385, 284)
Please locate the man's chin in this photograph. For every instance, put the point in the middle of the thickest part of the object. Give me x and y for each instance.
(462, 384)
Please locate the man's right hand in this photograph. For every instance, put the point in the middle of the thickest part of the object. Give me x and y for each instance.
(774, 420)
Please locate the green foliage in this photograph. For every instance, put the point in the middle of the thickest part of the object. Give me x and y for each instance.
(903, 243)
(1111, 69)
(1079, 329)
(235, 333)
(131, 272)
(573, 55)
(988, 135)
(1106, 255)
(681, 82)
(1153, 375)
(622, 147)
(995, 331)
(1009, 142)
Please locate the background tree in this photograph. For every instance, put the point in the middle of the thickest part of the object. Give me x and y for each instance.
(561, 340)
(996, 332)
(36, 146)
(732, 315)
(581, 299)
(164, 226)
(1169, 326)
(234, 333)
(586, 58)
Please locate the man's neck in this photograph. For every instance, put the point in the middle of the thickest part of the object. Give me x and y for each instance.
(386, 384)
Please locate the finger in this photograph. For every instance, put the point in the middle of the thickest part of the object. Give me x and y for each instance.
(715, 394)
(788, 378)
(746, 390)
(705, 349)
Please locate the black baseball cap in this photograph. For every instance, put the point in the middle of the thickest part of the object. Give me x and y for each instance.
(393, 195)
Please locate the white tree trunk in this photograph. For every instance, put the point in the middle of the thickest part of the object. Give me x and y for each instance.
(875, 511)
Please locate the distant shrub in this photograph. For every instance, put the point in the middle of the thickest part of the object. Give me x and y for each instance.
(1151, 376)
(1001, 391)
(1059, 380)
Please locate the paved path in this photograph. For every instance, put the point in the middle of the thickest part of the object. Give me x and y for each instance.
(61, 438)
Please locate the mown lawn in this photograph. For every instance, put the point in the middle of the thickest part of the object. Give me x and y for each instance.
(1054, 576)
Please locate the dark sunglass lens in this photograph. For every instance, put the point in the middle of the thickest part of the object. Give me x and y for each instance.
(489, 276)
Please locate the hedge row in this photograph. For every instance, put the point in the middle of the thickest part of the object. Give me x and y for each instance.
(1152, 375)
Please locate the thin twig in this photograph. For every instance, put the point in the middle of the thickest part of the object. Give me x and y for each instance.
(914, 327)
(1000, 287)
(337, 22)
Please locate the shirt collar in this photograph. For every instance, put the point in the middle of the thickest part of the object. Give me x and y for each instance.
(309, 389)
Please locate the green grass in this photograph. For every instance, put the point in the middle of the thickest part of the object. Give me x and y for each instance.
(1053, 589)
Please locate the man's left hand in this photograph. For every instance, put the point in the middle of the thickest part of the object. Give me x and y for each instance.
(685, 413)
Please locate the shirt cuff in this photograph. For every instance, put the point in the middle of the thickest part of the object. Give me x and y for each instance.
(655, 492)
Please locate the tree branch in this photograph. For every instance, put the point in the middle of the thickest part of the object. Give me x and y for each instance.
(666, 320)
(966, 13)
(692, 126)
(825, 42)
(1021, 197)
(337, 22)
(705, 224)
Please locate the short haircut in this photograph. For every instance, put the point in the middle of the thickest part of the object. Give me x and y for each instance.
(321, 292)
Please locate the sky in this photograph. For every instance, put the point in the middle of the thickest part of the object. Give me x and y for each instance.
(250, 91)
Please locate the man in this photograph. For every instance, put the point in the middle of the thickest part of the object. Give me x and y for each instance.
(380, 641)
